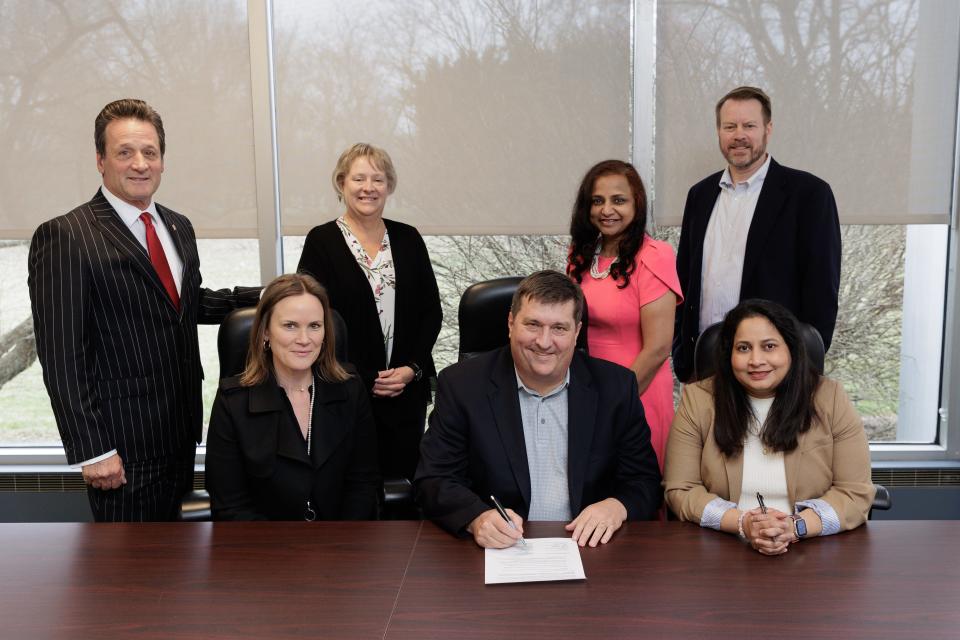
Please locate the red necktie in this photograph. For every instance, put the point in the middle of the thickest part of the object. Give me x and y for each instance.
(159, 259)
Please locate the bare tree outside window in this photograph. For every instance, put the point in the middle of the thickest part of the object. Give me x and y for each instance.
(492, 110)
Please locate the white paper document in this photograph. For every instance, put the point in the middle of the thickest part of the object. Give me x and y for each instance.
(542, 559)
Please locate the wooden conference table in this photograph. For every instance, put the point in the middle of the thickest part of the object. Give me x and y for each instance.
(889, 579)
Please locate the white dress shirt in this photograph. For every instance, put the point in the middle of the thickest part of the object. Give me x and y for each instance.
(725, 243)
(131, 217)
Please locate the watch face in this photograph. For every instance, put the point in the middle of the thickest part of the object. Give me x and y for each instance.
(801, 527)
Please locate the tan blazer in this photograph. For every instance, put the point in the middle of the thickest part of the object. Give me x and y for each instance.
(831, 461)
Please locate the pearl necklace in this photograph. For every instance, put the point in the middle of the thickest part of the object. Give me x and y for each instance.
(309, 514)
(595, 266)
(313, 391)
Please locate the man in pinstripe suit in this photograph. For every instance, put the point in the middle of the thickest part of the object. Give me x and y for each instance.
(116, 298)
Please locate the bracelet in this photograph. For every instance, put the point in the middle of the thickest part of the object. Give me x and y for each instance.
(740, 532)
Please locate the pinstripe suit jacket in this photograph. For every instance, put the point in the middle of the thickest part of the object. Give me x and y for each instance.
(121, 364)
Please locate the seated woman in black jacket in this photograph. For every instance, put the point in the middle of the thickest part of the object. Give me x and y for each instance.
(292, 438)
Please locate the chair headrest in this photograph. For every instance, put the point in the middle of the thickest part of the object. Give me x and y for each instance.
(233, 340)
(483, 312)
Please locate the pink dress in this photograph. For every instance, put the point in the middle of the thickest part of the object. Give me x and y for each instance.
(614, 333)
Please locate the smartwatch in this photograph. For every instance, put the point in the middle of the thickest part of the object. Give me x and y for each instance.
(417, 371)
(799, 527)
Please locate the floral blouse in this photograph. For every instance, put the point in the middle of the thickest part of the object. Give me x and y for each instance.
(382, 278)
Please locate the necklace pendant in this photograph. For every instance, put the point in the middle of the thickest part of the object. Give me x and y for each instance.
(309, 514)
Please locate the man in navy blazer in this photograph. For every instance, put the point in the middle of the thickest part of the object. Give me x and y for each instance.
(116, 298)
(755, 230)
(552, 433)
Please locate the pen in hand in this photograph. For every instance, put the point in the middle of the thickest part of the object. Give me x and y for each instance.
(763, 507)
(503, 514)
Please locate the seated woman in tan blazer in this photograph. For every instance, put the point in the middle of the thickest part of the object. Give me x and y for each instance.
(767, 424)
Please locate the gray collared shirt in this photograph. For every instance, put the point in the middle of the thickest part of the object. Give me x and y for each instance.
(545, 435)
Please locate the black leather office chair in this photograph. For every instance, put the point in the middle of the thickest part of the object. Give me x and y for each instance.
(483, 311)
(482, 315)
(705, 365)
(233, 341)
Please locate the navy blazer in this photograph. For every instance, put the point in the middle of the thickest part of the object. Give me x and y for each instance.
(475, 447)
(792, 254)
(257, 466)
(120, 362)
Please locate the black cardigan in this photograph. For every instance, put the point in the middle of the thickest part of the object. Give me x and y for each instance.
(417, 314)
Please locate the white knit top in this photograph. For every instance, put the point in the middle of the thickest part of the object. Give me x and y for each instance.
(763, 472)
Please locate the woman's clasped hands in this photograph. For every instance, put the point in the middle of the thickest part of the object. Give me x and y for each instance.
(769, 533)
(391, 382)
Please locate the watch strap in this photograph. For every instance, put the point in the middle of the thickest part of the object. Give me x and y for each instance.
(417, 371)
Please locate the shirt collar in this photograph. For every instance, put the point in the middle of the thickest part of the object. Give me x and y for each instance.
(562, 386)
(127, 212)
(753, 182)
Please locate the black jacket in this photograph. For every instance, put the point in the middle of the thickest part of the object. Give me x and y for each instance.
(792, 254)
(417, 314)
(257, 466)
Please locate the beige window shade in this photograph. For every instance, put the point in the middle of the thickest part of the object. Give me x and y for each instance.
(864, 96)
(492, 111)
(62, 62)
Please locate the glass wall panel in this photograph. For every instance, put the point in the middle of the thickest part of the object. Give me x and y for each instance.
(492, 111)
(864, 95)
(224, 263)
(869, 354)
(25, 414)
(61, 63)
(867, 351)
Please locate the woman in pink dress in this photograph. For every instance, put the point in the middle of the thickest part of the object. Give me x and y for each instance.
(630, 284)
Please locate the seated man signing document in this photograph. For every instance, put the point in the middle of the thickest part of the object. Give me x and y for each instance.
(552, 434)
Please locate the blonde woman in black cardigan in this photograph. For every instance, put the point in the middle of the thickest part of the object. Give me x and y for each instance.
(379, 278)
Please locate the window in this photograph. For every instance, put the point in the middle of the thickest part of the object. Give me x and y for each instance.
(864, 96)
(485, 107)
(64, 61)
(492, 112)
